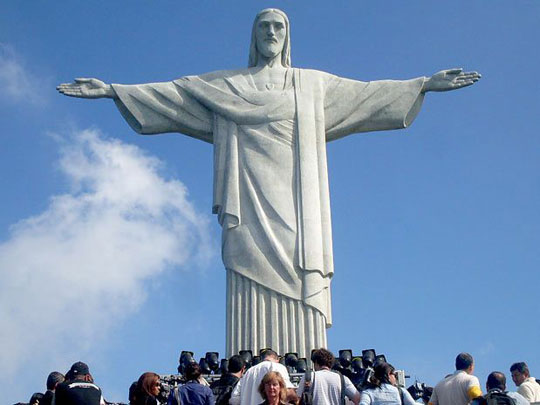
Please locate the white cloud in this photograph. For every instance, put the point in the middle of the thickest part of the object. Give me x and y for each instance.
(87, 259)
(486, 349)
(17, 83)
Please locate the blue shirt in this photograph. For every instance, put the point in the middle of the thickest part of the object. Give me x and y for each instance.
(387, 394)
(193, 393)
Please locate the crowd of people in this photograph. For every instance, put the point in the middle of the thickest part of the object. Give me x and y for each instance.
(462, 387)
(269, 383)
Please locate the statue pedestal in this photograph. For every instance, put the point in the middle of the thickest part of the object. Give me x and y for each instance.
(259, 318)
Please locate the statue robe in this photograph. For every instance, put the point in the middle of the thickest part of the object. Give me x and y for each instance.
(271, 184)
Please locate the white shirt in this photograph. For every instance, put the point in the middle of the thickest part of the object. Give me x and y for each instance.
(530, 389)
(327, 387)
(456, 389)
(246, 391)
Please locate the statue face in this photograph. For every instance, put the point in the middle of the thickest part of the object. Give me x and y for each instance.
(270, 33)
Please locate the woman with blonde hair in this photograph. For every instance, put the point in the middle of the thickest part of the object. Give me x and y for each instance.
(272, 389)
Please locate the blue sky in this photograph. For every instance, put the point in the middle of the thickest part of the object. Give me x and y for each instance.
(109, 253)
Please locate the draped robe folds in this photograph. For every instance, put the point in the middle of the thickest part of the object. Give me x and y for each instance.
(271, 184)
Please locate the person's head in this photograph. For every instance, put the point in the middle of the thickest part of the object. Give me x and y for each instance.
(35, 398)
(465, 362)
(272, 386)
(322, 358)
(236, 364)
(79, 371)
(384, 373)
(193, 371)
(269, 354)
(54, 379)
(270, 37)
(520, 372)
(132, 393)
(496, 380)
(148, 384)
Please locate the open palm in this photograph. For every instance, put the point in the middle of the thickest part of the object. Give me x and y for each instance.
(451, 79)
(85, 88)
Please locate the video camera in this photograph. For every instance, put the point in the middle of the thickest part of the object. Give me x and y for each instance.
(420, 390)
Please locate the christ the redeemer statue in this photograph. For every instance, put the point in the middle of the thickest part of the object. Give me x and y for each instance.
(269, 125)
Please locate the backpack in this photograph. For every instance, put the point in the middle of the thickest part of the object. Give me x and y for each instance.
(499, 398)
(307, 394)
(223, 393)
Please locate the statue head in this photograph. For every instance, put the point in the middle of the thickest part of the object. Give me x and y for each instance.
(261, 45)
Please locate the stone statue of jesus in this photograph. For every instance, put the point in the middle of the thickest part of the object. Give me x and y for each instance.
(269, 125)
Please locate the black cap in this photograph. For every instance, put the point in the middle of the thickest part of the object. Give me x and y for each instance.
(79, 368)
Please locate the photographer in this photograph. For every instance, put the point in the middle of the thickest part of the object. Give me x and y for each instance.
(383, 389)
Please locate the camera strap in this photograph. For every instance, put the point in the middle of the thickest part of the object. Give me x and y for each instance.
(400, 395)
(177, 395)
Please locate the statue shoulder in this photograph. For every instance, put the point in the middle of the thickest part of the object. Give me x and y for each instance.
(319, 75)
(218, 76)
(318, 78)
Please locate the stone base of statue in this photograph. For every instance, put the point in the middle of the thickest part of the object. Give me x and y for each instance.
(259, 318)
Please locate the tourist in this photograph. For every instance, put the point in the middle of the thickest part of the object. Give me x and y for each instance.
(497, 394)
(192, 392)
(459, 388)
(224, 387)
(527, 385)
(246, 391)
(53, 380)
(272, 389)
(147, 390)
(36, 398)
(78, 388)
(327, 386)
(383, 388)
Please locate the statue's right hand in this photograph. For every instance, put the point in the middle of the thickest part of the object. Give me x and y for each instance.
(86, 88)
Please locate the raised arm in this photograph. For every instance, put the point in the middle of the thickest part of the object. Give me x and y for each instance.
(151, 108)
(87, 88)
(450, 79)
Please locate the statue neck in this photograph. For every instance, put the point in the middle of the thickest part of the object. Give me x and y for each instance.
(272, 63)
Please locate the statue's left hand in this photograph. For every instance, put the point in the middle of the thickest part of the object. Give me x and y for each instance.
(450, 79)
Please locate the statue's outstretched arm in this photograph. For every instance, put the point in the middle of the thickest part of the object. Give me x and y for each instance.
(451, 79)
(87, 88)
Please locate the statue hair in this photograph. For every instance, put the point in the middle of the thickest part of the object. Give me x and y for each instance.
(285, 53)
